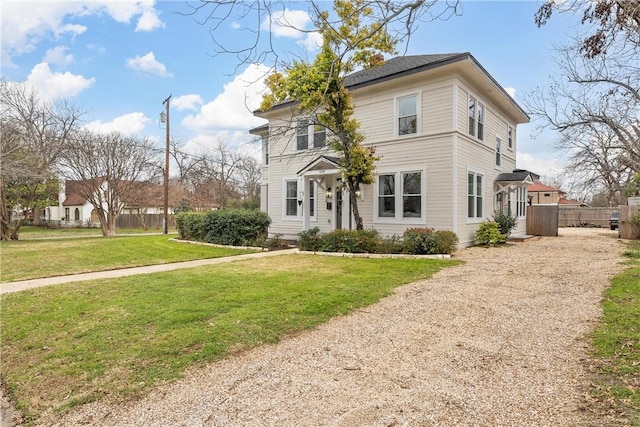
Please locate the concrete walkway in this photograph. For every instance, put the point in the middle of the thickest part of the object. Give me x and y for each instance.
(109, 274)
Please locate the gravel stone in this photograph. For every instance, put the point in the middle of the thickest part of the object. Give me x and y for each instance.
(498, 341)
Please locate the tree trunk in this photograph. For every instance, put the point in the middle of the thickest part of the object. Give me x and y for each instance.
(354, 205)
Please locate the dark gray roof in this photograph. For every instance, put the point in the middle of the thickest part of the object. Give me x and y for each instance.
(399, 66)
(328, 159)
(260, 129)
(518, 175)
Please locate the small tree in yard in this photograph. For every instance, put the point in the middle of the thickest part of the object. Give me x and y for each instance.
(320, 92)
(506, 221)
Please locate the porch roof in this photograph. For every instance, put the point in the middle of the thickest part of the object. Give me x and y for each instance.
(322, 165)
(509, 181)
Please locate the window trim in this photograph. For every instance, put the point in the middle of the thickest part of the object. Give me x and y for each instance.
(313, 200)
(475, 172)
(521, 203)
(396, 115)
(498, 153)
(510, 136)
(398, 196)
(479, 127)
(285, 198)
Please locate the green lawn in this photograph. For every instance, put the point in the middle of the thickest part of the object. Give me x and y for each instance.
(29, 259)
(31, 232)
(616, 343)
(114, 339)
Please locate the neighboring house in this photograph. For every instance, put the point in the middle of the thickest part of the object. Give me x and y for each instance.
(541, 194)
(446, 134)
(74, 210)
(571, 202)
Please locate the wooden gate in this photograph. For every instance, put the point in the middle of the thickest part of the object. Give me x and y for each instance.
(542, 220)
(627, 229)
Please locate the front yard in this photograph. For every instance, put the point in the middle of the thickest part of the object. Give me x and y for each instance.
(114, 339)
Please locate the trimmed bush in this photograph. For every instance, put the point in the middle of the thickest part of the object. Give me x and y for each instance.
(309, 240)
(506, 221)
(351, 241)
(191, 225)
(236, 227)
(415, 241)
(488, 234)
(447, 242)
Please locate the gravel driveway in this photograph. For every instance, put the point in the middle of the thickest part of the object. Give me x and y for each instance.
(497, 341)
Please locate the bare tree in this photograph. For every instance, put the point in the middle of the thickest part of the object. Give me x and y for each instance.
(249, 174)
(595, 105)
(106, 168)
(33, 133)
(608, 22)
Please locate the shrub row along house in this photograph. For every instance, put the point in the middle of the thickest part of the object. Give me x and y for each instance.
(446, 134)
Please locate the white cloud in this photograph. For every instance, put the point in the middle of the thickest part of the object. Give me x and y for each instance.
(511, 91)
(51, 85)
(539, 165)
(187, 102)
(149, 21)
(293, 24)
(147, 64)
(58, 55)
(232, 109)
(22, 29)
(128, 124)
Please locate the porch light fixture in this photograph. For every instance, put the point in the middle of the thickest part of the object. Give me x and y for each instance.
(358, 193)
(329, 193)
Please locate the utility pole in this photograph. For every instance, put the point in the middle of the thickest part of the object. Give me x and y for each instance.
(165, 226)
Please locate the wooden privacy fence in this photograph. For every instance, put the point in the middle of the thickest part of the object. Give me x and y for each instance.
(153, 221)
(542, 220)
(578, 216)
(628, 228)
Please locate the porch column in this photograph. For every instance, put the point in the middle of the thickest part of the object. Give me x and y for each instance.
(306, 217)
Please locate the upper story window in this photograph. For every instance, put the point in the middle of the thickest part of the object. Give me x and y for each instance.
(319, 136)
(474, 195)
(476, 118)
(310, 136)
(498, 152)
(302, 135)
(510, 136)
(407, 115)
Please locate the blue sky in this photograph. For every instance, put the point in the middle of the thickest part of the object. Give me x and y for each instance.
(118, 60)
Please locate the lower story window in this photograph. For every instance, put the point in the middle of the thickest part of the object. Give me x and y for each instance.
(387, 196)
(400, 195)
(312, 199)
(411, 195)
(474, 195)
(521, 201)
(291, 198)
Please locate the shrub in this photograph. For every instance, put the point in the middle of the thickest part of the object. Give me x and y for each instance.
(506, 221)
(237, 227)
(488, 234)
(351, 241)
(419, 241)
(190, 225)
(447, 242)
(309, 240)
(277, 242)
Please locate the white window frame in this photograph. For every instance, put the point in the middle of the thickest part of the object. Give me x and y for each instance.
(397, 117)
(510, 137)
(521, 202)
(475, 218)
(313, 200)
(477, 119)
(265, 149)
(398, 196)
(285, 198)
(310, 135)
(498, 153)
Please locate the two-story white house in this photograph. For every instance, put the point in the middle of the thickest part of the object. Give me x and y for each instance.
(446, 134)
